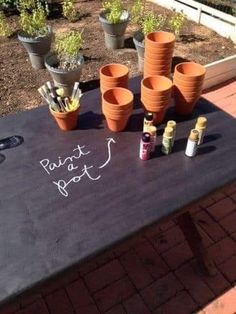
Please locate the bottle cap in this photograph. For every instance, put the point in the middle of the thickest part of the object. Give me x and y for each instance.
(152, 130)
(194, 135)
(201, 122)
(146, 137)
(149, 116)
(168, 131)
(171, 123)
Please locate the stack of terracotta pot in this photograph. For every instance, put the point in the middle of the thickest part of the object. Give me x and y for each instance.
(159, 48)
(117, 106)
(156, 95)
(188, 82)
(113, 75)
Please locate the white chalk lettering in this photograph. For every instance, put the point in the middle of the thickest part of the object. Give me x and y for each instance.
(62, 184)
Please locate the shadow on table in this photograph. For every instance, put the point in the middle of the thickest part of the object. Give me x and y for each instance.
(2, 158)
(90, 120)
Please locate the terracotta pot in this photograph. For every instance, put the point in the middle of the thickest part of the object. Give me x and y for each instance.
(158, 117)
(105, 86)
(118, 112)
(154, 104)
(117, 124)
(156, 65)
(185, 89)
(180, 82)
(156, 85)
(159, 61)
(186, 95)
(149, 53)
(160, 40)
(114, 72)
(118, 96)
(147, 72)
(154, 98)
(66, 120)
(189, 71)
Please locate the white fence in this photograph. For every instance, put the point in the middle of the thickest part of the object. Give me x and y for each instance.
(222, 23)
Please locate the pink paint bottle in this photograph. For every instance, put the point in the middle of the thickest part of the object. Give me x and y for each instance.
(145, 146)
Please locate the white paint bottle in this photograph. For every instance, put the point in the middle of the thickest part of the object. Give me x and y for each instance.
(172, 124)
(147, 121)
(201, 126)
(167, 141)
(191, 148)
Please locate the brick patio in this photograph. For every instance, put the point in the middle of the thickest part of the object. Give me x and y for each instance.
(155, 272)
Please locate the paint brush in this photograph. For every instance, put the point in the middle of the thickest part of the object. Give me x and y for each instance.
(51, 89)
(76, 86)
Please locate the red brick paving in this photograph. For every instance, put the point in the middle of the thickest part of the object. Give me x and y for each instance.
(154, 272)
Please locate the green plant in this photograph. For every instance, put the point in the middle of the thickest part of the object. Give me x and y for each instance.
(33, 15)
(176, 23)
(8, 4)
(5, 30)
(152, 22)
(67, 46)
(69, 11)
(137, 11)
(114, 9)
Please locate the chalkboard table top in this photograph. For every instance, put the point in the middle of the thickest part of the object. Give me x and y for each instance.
(67, 196)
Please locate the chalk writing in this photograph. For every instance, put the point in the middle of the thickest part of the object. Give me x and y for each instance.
(86, 171)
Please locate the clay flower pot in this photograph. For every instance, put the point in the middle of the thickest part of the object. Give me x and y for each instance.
(155, 95)
(160, 40)
(188, 83)
(113, 75)
(117, 106)
(66, 120)
(189, 71)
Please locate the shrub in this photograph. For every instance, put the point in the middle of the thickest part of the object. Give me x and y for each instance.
(152, 23)
(137, 11)
(67, 46)
(69, 11)
(5, 29)
(33, 15)
(8, 4)
(115, 9)
(176, 23)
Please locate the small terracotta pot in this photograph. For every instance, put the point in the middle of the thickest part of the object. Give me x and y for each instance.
(156, 85)
(189, 71)
(158, 117)
(160, 40)
(158, 55)
(156, 65)
(118, 97)
(186, 95)
(147, 72)
(154, 105)
(154, 98)
(185, 89)
(180, 82)
(117, 123)
(118, 112)
(104, 86)
(159, 61)
(114, 72)
(66, 120)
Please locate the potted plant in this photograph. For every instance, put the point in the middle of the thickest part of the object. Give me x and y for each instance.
(66, 62)
(36, 35)
(114, 19)
(148, 23)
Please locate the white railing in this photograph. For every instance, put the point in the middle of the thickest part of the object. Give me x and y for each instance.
(222, 23)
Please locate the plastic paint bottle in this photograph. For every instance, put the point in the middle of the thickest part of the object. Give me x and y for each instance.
(201, 126)
(191, 148)
(167, 141)
(148, 121)
(153, 132)
(172, 124)
(145, 146)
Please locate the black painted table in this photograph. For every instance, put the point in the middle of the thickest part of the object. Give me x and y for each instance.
(56, 212)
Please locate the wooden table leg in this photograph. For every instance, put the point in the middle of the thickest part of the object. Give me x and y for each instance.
(194, 239)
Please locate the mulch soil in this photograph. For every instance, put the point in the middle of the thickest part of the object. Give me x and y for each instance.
(19, 82)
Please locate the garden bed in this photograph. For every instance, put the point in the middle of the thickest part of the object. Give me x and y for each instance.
(19, 82)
